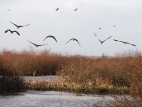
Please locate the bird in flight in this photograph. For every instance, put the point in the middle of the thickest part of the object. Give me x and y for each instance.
(36, 44)
(74, 40)
(103, 40)
(124, 42)
(8, 10)
(12, 31)
(114, 26)
(18, 26)
(50, 36)
(100, 28)
(57, 9)
(76, 9)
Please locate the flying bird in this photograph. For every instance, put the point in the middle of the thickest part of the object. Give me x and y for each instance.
(76, 9)
(103, 40)
(12, 31)
(100, 28)
(36, 44)
(114, 26)
(18, 26)
(124, 42)
(74, 40)
(57, 9)
(8, 10)
(50, 36)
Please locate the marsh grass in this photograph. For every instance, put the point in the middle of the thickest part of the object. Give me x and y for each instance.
(27, 62)
(64, 85)
(121, 74)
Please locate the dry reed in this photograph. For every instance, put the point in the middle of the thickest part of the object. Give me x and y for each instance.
(121, 74)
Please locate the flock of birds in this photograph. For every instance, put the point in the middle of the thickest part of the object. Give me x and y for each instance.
(50, 36)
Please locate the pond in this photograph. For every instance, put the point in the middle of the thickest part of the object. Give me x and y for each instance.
(51, 99)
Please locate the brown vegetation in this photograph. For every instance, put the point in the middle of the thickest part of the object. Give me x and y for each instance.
(9, 81)
(121, 74)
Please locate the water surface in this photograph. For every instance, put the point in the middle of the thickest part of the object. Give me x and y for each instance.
(50, 99)
(39, 78)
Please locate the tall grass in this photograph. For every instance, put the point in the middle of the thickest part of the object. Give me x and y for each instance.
(9, 81)
(119, 74)
(30, 62)
(122, 73)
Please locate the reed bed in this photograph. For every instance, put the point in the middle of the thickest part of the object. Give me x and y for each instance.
(121, 74)
(30, 62)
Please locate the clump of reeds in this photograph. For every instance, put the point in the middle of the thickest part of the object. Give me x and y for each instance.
(31, 62)
(105, 75)
(9, 82)
(122, 74)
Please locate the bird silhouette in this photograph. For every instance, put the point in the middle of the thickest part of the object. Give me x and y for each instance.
(100, 28)
(124, 42)
(114, 26)
(36, 44)
(57, 9)
(50, 36)
(73, 40)
(12, 31)
(8, 10)
(18, 26)
(76, 9)
(103, 40)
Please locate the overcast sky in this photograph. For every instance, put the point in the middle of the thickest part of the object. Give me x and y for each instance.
(66, 23)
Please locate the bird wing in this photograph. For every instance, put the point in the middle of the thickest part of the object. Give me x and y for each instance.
(130, 43)
(124, 42)
(77, 41)
(14, 24)
(32, 43)
(17, 32)
(117, 40)
(7, 30)
(45, 38)
(108, 38)
(25, 25)
(133, 44)
(68, 41)
(97, 37)
(41, 44)
(51, 37)
(54, 38)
